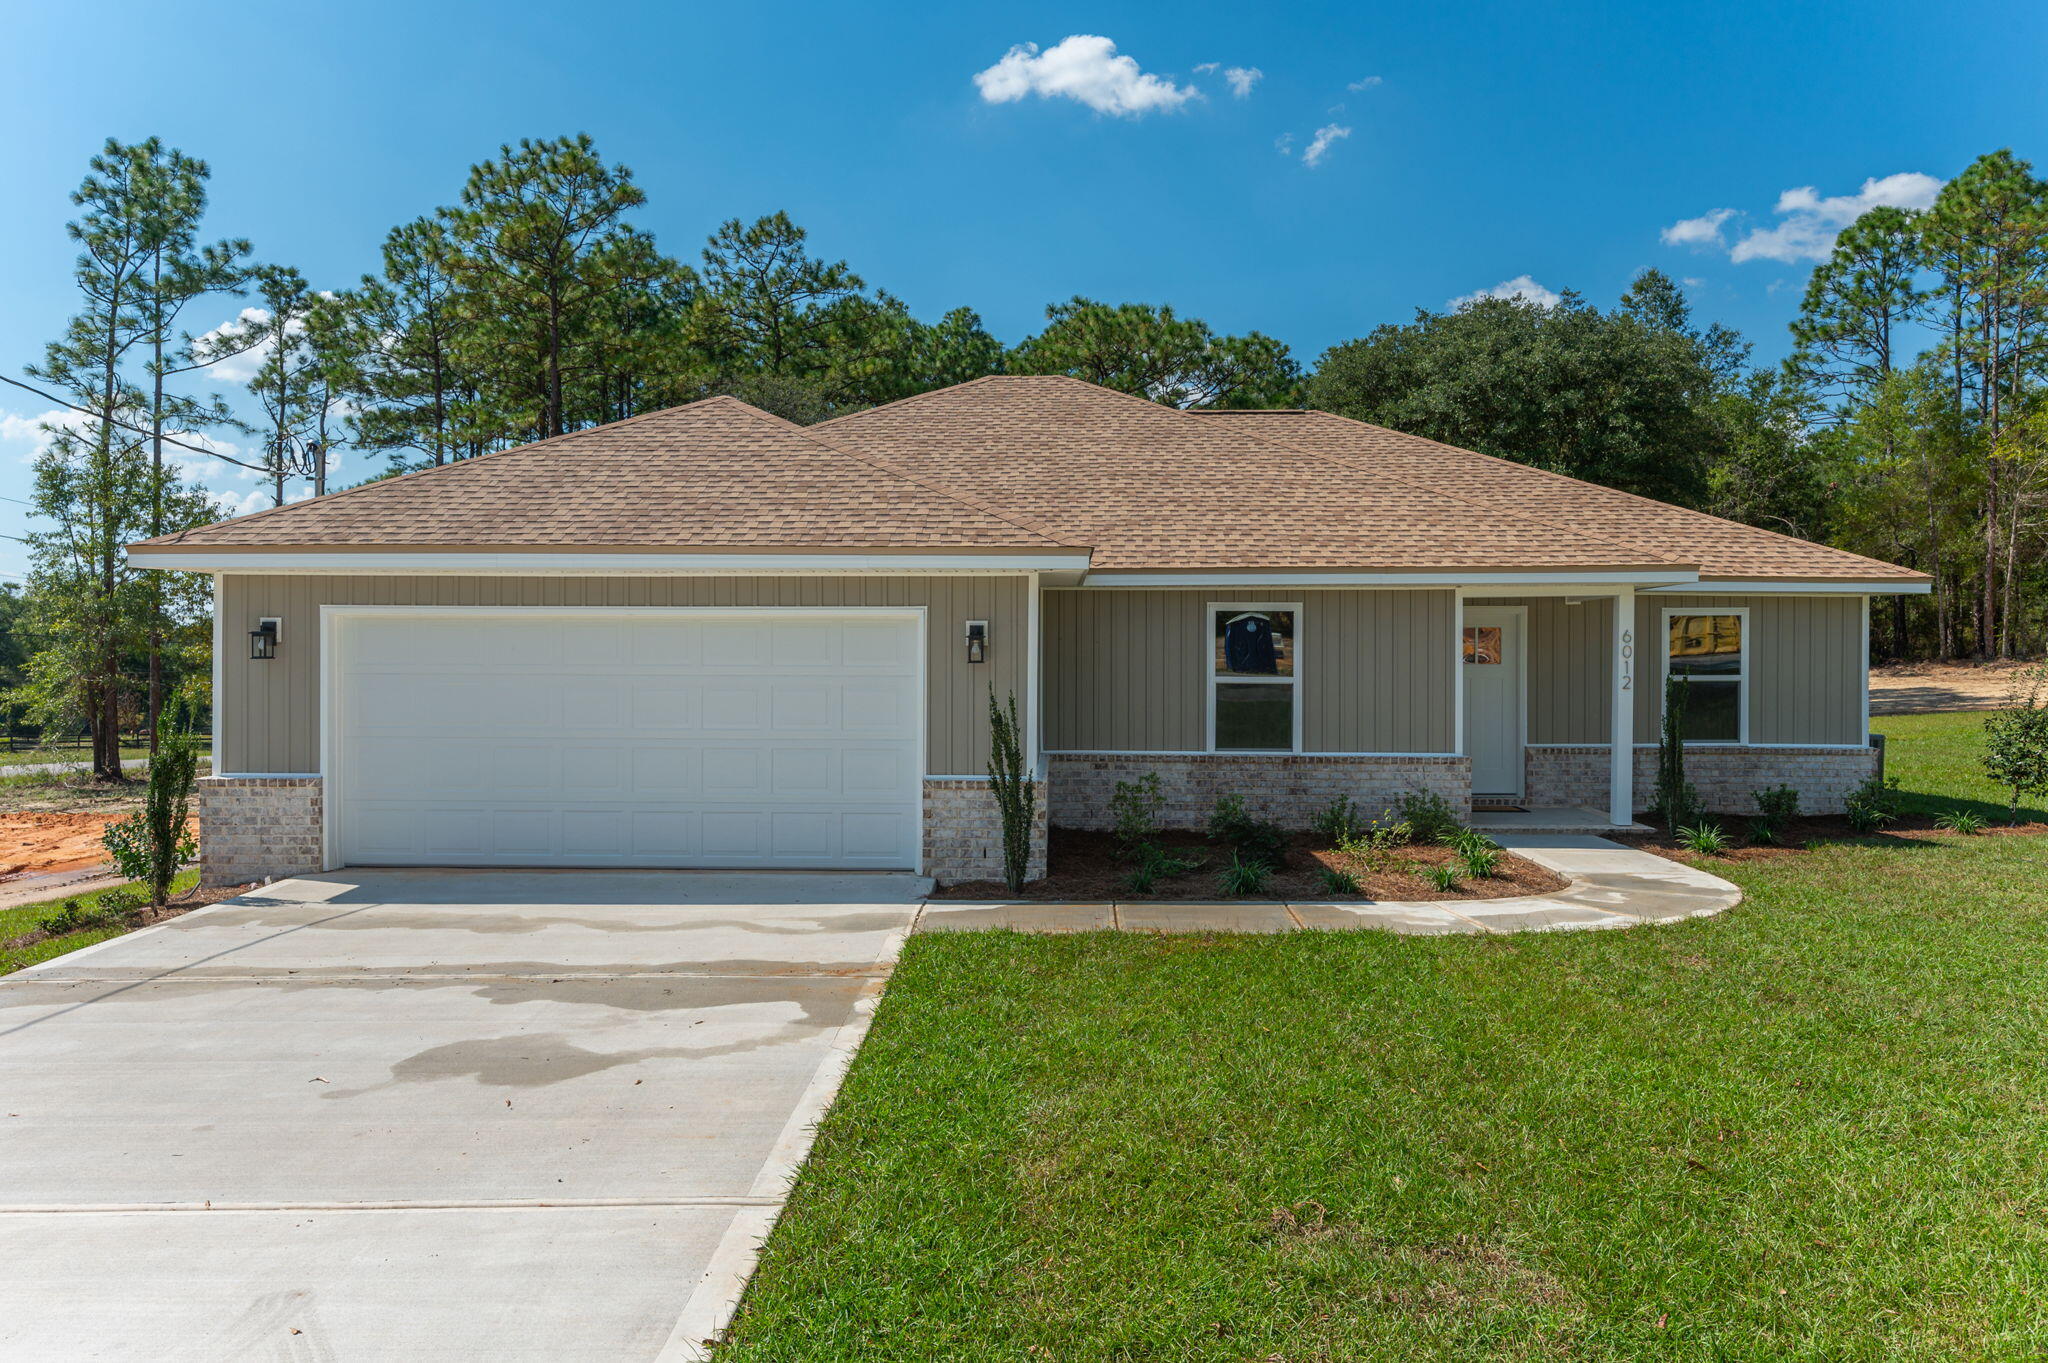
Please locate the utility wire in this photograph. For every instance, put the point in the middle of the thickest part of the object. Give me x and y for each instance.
(139, 430)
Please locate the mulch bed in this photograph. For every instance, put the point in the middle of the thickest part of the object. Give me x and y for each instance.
(1799, 832)
(1086, 868)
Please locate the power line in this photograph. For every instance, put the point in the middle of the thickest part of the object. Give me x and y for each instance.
(111, 421)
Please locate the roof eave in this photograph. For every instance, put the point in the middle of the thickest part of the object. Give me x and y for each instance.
(529, 560)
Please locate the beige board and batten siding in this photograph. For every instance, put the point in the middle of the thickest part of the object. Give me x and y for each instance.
(270, 711)
(1805, 664)
(1127, 670)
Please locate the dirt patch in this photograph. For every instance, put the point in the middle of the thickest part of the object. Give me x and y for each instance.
(32, 843)
(1087, 867)
(1924, 688)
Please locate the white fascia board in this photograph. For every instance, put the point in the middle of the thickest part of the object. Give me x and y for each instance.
(1716, 587)
(412, 564)
(1675, 578)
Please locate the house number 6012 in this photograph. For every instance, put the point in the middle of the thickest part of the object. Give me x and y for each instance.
(1628, 660)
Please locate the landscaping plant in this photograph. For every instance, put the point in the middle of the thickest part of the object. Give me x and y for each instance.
(1676, 804)
(1134, 810)
(1874, 804)
(153, 844)
(1429, 815)
(1336, 881)
(2016, 738)
(1337, 821)
(1479, 860)
(1374, 844)
(1706, 839)
(1967, 822)
(1244, 877)
(1251, 839)
(1016, 796)
(1443, 877)
(1775, 808)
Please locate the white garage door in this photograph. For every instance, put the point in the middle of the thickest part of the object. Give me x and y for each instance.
(603, 739)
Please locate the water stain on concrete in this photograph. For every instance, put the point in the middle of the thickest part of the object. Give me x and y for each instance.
(459, 918)
(537, 1059)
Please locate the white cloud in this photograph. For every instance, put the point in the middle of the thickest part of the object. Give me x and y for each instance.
(237, 366)
(1364, 83)
(1242, 79)
(1084, 68)
(1284, 144)
(1698, 233)
(1693, 281)
(1522, 287)
(31, 429)
(1319, 146)
(1206, 67)
(1811, 222)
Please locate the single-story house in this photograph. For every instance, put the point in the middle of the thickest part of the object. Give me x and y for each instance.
(706, 637)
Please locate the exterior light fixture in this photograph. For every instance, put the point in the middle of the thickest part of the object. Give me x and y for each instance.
(977, 641)
(263, 639)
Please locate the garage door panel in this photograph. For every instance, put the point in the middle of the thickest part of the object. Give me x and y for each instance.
(661, 741)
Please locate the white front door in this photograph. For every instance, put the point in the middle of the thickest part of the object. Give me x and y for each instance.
(626, 738)
(1493, 698)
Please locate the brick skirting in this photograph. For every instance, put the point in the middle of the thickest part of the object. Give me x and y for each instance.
(963, 832)
(1726, 777)
(257, 827)
(1286, 787)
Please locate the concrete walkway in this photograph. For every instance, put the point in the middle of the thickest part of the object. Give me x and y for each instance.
(445, 1115)
(1612, 886)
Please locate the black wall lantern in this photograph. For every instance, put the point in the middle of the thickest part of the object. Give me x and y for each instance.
(977, 641)
(263, 639)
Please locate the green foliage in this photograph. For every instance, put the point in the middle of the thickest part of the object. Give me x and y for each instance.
(1429, 816)
(2016, 738)
(1374, 844)
(1706, 839)
(1967, 822)
(1677, 803)
(1015, 792)
(1479, 861)
(1252, 839)
(153, 844)
(1134, 808)
(1156, 864)
(1776, 807)
(1153, 353)
(1338, 820)
(1442, 877)
(1336, 880)
(1874, 804)
(1244, 876)
(108, 908)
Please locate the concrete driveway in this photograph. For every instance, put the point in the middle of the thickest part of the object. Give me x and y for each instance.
(424, 1114)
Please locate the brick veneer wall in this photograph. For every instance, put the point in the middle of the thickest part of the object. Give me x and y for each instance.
(1725, 777)
(963, 831)
(1287, 788)
(256, 827)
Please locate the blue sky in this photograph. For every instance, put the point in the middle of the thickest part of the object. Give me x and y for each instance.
(1480, 144)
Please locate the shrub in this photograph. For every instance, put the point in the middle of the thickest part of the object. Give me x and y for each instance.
(69, 916)
(1480, 862)
(1874, 804)
(1676, 802)
(1443, 877)
(1429, 815)
(1135, 808)
(1375, 843)
(1337, 821)
(1775, 808)
(1469, 839)
(154, 843)
(1016, 796)
(1337, 881)
(1251, 839)
(1244, 877)
(1155, 865)
(1967, 822)
(2016, 738)
(118, 903)
(1706, 839)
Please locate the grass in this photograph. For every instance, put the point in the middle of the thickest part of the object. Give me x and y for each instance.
(22, 919)
(1939, 760)
(25, 757)
(1815, 1127)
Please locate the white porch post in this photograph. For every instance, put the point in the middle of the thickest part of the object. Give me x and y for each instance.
(1622, 732)
(1034, 703)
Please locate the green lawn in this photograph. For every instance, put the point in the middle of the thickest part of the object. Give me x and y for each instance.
(1939, 762)
(1813, 1128)
(16, 922)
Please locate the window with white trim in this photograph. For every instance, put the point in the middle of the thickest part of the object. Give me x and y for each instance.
(1253, 704)
(1709, 650)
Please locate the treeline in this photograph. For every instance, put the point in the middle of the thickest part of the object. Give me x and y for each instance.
(1909, 424)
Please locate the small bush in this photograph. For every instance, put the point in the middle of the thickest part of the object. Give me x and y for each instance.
(1480, 862)
(1244, 877)
(1338, 821)
(1155, 865)
(1706, 839)
(1443, 877)
(2016, 738)
(1135, 808)
(1430, 815)
(1676, 802)
(119, 903)
(1874, 804)
(69, 916)
(1374, 844)
(1015, 794)
(1337, 881)
(1775, 808)
(1251, 839)
(1967, 822)
(1468, 839)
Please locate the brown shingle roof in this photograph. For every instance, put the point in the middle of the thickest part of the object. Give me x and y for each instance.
(716, 473)
(1150, 487)
(1725, 549)
(1036, 463)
